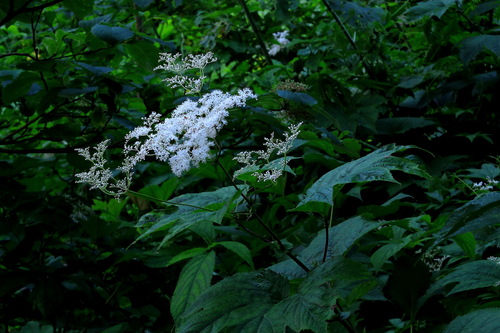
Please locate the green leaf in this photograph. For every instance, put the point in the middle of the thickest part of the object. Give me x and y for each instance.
(398, 125)
(472, 46)
(297, 97)
(477, 214)
(72, 92)
(193, 281)
(483, 320)
(186, 255)
(239, 300)
(385, 252)
(19, 87)
(192, 208)
(341, 238)
(111, 35)
(467, 243)
(98, 70)
(80, 7)
(376, 166)
(428, 8)
(238, 248)
(145, 54)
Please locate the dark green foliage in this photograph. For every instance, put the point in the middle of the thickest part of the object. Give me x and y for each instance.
(389, 204)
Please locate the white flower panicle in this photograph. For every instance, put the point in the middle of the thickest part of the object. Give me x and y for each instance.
(485, 186)
(281, 38)
(275, 147)
(183, 140)
(172, 63)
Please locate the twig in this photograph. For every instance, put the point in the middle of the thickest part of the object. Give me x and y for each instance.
(256, 31)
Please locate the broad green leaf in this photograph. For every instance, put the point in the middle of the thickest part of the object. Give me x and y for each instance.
(236, 300)
(238, 248)
(398, 125)
(341, 238)
(98, 70)
(19, 87)
(297, 97)
(385, 252)
(428, 8)
(483, 320)
(72, 92)
(111, 34)
(193, 281)
(467, 243)
(472, 46)
(186, 255)
(475, 215)
(469, 276)
(191, 209)
(145, 54)
(376, 166)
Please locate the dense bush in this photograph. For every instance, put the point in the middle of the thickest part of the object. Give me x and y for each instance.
(377, 211)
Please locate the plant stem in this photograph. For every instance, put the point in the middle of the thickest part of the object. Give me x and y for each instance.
(264, 225)
(256, 31)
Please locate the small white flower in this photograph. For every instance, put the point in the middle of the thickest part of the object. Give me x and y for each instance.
(274, 169)
(281, 38)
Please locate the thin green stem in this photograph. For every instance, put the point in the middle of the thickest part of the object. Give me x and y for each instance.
(264, 225)
(141, 195)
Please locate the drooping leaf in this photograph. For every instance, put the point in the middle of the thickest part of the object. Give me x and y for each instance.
(469, 276)
(472, 46)
(428, 8)
(238, 248)
(19, 87)
(479, 213)
(376, 166)
(483, 320)
(193, 281)
(80, 7)
(191, 209)
(72, 92)
(467, 243)
(144, 54)
(186, 255)
(388, 250)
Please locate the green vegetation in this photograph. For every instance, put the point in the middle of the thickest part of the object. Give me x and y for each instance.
(351, 186)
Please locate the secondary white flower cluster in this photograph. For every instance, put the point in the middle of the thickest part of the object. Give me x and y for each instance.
(281, 38)
(178, 65)
(183, 140)
(274, 169)
(485, 186)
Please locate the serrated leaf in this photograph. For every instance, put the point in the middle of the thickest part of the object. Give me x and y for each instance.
(479, 213)
(469, 276)
(191, 208)
(237, 300)
(194, 279)
(341, 238)
(111, 34)
(483, 320)
(238, 248)
(429, 8)
(376, 166)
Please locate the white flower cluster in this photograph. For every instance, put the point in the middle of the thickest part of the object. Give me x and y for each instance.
(485, 186)
(272, 170)
(281, 38)
(172, 63)
(183, 140)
